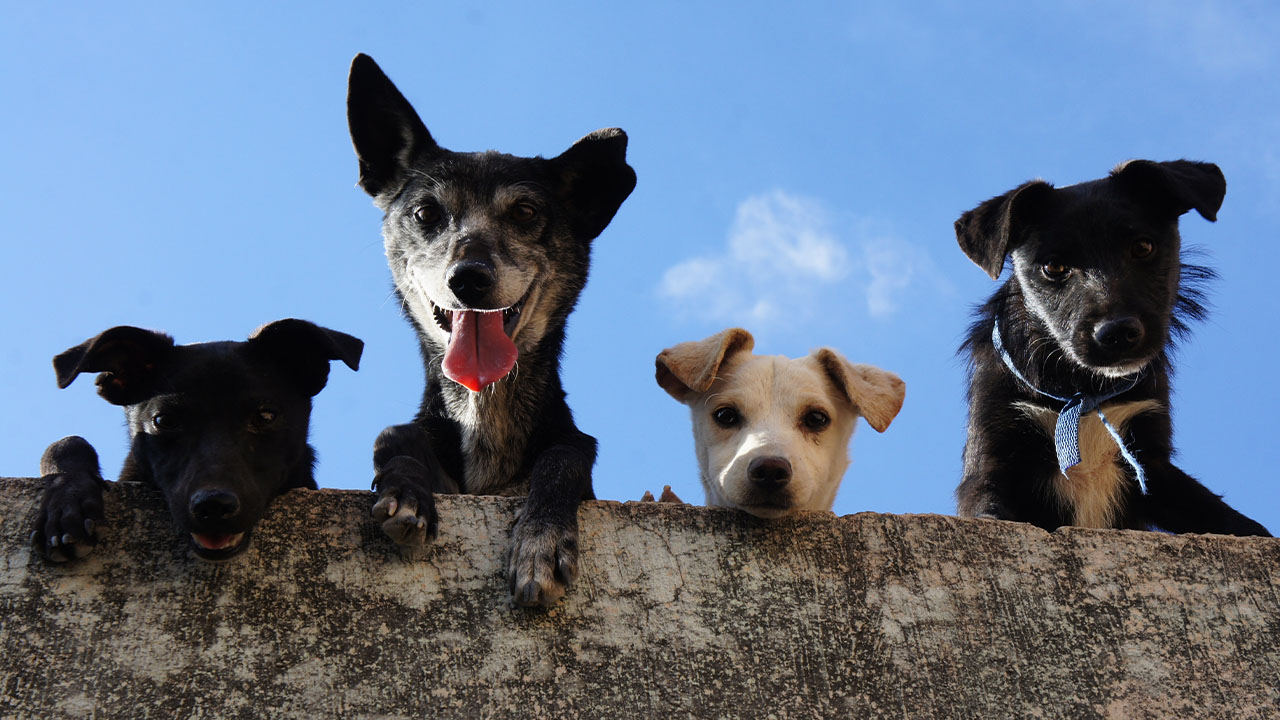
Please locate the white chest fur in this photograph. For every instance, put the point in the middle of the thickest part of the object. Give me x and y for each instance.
(492, 444)
(1093, 490)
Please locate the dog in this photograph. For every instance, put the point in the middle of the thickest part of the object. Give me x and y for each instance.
(219, 428)
(1069, 361)
(488, 253)
(772, 433)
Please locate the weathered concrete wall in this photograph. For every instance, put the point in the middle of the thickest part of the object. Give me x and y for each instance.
(679, 611)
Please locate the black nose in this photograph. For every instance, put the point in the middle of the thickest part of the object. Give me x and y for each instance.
(1118, 335)
(769, 473)
(214, 505)
(471, 281)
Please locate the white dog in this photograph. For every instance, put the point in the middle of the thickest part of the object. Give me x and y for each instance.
(771, 432)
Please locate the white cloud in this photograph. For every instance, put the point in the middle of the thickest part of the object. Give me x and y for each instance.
(783, 261)
(780, 249)
(891, 265)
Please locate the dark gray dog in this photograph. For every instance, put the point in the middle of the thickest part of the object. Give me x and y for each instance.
(1069, 390)
(488, 253)
(220, 428)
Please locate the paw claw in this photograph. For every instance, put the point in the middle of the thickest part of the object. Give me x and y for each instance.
(542, 562)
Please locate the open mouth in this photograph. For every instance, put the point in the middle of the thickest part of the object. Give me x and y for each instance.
(217, 546)
(510, 315)
(480, 350)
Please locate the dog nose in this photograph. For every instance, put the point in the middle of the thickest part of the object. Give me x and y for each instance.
(214, 504)
(470, 281)
(1118, 335)
(769, 473)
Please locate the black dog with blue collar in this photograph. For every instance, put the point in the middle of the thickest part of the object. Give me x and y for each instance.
(1069, 360)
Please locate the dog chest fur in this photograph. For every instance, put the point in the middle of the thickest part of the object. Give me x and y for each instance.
(493, 440)
(1094, 489)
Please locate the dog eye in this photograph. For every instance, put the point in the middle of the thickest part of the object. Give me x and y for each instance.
(726, 417)
(524, 212)
(428, 214)
(1055, 271)
(264, 418)
(165, 422)
(1143, 248)
(816, 420)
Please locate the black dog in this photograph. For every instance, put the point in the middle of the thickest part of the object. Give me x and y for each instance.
(220, 428)
(1086, 321)
(488, 253)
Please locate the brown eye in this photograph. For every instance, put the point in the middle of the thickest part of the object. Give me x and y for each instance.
(428, 214)
(1143, 248)
(263, 419)
(524, 212)
(816, 420)
(727, 416)
(1055, 271)
(166, 422)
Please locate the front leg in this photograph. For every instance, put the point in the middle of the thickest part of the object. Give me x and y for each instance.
(71, 514)
(1008, 468)
(407, 474)
(543, 557)
(1175, 501)
(1178, 503)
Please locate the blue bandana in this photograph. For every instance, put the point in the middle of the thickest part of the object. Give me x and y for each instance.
(1066, 435)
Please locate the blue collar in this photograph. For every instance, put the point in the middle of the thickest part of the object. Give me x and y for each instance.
(1066, 435)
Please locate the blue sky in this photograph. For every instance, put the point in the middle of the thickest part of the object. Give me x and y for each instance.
(187, 168)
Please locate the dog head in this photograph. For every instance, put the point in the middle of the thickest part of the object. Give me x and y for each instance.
(488, 251)
(220, 428)
(772, 433)
(1098, 263)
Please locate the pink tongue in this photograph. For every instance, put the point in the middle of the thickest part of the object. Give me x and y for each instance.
(479, 351)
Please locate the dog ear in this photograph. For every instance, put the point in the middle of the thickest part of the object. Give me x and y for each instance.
(877, 394)
(305, 349)
(990, 231)
(126, 358)
(385, 129)
(690, 368)
(1174, 187)
(594, 178)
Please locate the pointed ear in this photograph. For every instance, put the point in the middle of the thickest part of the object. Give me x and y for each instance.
(877, 394)
(594, 178)
(385, 130)
(126, 357)
(990, 231)
(690, 368)
(305, 349)
(1174, 187)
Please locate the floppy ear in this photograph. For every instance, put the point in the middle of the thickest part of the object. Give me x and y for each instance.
(385, 130)
(690, 368)
(990, 231)
(594, 179)
(305, 349)
(876, 393)
(126, 357)
(1174, 187)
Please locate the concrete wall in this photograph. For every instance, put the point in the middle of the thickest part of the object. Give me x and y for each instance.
(678, 612)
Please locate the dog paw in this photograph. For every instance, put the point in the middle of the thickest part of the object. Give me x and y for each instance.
(542, 562)
(405, 506)
(70, 519)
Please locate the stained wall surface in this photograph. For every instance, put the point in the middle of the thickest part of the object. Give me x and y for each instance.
(679, 611)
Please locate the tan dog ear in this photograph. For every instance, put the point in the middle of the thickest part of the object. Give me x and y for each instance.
(878, 394)
(691, 367)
